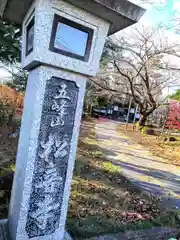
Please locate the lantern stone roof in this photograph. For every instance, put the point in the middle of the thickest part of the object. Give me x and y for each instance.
(120, 13)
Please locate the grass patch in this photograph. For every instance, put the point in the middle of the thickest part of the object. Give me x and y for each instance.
(110, 167)
(6, 177)
(8, 169)
(102, 200)
(169, 219)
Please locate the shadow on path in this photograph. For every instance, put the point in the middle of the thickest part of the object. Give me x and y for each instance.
(150, 173)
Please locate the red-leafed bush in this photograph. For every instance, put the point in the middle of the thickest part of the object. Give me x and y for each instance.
(173, 120)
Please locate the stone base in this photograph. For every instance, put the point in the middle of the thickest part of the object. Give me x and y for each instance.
(149, 234)
(66, 236)
(4, 232)
(159, 233)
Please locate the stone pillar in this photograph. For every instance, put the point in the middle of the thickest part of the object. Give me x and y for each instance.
(46, 154)
(56, 34)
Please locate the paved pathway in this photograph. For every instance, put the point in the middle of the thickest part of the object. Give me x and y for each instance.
(150, 173)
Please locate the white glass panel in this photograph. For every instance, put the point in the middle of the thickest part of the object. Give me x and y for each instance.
(30, 38)
(71, 39)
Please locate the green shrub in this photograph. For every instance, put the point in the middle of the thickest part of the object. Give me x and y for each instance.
(86, 116)
(5, 112)
(138, 127)
(147, 130)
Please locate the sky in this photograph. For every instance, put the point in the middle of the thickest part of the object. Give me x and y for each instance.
(167, 13)
(4, 75)
(163, 13)
(158, 12)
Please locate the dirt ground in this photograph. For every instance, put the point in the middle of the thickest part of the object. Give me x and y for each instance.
(170, 151)
(102, 201)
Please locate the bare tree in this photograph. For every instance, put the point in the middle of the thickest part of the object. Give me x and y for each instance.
(137, 68)
(111, 86)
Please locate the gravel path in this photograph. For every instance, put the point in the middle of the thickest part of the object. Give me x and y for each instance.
(150, 173)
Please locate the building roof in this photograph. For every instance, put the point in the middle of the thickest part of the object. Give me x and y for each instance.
(120, 13)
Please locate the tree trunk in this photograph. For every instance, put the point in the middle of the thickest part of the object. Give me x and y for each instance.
(143, 119)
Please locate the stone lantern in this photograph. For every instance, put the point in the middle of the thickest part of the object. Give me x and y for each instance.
(62, 43)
